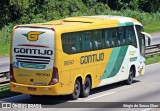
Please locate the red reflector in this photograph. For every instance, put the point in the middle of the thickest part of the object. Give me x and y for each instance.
(16, 27)
(54, 78)
(53, 29)
(12, 79)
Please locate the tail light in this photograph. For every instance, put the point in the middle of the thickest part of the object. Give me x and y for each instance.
(12, 79)
(54, 78)
(16, 27)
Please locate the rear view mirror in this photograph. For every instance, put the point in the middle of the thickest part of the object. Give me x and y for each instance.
(148, 36)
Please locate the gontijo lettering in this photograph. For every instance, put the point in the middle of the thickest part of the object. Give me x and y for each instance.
(92, 58)
(33, 51)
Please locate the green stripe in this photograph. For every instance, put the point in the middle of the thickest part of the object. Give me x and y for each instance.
(119, 61)
(125, 24)
(111, 63)
(115, 62)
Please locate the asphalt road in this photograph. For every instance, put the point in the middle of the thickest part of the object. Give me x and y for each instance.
(155, 38)
(144, 89)
(4, 64)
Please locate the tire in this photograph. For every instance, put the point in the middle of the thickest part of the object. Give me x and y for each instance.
(129, 81)
(77, 88)
(85, 89)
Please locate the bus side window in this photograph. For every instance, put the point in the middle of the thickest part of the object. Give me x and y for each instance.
(121, 35)
(118, 40)
(86, 44)
(124, 36)
(97, 40)
(91, 40)
(83, 42)
(141, 39)
(67, 43)
(77, 41)
(133, 38)
(106, 34)
(73, 45)
(114, 35)
(102, 36)
(127, 36)
(110, 38)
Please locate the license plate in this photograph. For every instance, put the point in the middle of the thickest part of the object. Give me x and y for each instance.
(31, 89)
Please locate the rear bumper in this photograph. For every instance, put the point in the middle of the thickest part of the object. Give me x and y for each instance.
(40, 90)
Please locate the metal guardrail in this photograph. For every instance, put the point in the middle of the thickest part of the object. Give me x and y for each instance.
(150, 50)
(4, 78)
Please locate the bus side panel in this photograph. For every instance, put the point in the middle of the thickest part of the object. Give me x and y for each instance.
(114, 65)
(118, 67)
(65, 82)
(80, 66)
(89, 70)
(129, 60)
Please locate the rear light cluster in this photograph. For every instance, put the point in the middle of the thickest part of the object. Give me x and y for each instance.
(54, 78)
(12, 79)
(16, 27)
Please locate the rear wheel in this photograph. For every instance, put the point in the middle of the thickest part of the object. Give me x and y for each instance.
(129, 81)
(76, 93)
(85, 90)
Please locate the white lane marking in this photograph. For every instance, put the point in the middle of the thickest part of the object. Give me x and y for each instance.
(99, 96)
(12, 97)
(147, 109)
(4, 62)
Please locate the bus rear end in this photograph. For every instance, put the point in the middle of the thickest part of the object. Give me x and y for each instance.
(32, 69)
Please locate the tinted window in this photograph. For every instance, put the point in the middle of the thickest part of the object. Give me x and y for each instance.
(141, 39)
(85, 41)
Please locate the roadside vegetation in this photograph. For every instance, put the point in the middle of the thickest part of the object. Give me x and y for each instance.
(5, 92)
(152, 27)
(152, 59)
(14, 12)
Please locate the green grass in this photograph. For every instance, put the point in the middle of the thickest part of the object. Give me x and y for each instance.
(5, 50)
(4, 88)
(153, 27)
(153, 59)
(5, 92)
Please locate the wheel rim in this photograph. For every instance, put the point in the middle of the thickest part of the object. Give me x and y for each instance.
(130, 76)
(77, 89)
(87, 86)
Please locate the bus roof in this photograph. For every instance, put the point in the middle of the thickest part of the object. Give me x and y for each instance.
(87, 22)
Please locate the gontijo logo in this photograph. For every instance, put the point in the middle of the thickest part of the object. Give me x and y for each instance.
(33, 35)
